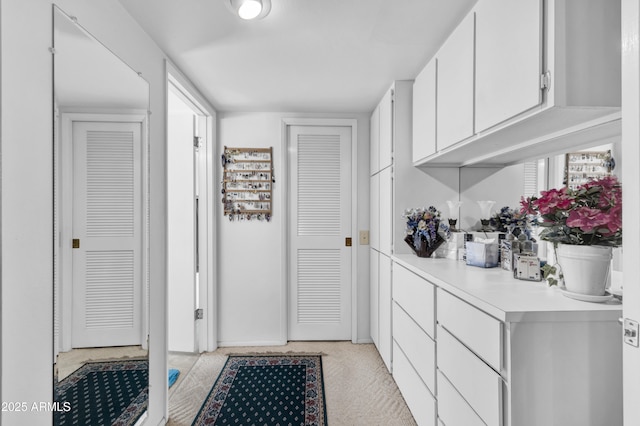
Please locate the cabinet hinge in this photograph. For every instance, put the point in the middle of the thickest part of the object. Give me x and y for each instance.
(199, 314)
(393, 95)
(545, 80)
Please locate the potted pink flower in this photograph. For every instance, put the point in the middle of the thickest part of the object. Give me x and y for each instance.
(584, 224)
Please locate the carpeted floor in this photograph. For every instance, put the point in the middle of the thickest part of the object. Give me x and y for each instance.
(267, 389)
(358, 388)
(103, 393)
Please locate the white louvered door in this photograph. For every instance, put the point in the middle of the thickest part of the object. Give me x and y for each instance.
(320, 220)
(107, 221)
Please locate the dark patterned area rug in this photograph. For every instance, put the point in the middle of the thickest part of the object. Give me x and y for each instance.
(110, 393)
(269, 389)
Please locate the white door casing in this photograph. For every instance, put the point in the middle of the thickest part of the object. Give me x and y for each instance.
(631, 205)
(206, 184)
(320, 218)
(107, 277)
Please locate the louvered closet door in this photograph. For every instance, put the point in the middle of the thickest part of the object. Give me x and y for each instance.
(320, 219)
(107, 280)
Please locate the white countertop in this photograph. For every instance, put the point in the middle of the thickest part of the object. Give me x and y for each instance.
(496, 292)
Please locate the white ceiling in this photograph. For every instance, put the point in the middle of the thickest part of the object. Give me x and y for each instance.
(306, 55)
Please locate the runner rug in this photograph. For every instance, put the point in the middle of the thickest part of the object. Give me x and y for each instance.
(269, 389)
(103, 393)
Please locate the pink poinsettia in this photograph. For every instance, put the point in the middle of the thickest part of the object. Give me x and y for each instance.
(590, 214)
(553, 200)
(587, 219)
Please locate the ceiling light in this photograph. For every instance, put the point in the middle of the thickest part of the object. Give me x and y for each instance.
(250, 9)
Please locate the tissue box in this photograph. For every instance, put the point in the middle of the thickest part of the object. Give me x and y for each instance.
(484, 255)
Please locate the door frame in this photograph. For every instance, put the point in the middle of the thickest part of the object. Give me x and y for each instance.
(284, 293)
(631, 198)
(65, 209)
(207, 335)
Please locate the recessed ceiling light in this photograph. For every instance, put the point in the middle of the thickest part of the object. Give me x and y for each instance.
(250, 9)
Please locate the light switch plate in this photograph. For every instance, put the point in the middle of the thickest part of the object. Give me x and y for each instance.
(364, 238)
(630, 331)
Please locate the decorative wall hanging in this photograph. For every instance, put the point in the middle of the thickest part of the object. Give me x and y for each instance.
(247, 183)
(580, 167)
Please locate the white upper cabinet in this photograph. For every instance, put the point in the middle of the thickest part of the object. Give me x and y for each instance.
(374, 136)
(508, 59)
(455, 85)
(424, 112)
(386, 129)
(526, 79)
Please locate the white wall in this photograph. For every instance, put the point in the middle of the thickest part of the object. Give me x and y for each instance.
(250, 255)
(26, 195)
(505, 186)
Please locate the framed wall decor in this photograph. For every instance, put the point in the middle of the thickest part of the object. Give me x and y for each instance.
(580, 167)
(247, 183)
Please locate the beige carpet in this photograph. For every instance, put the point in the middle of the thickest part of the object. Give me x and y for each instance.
(358, 388)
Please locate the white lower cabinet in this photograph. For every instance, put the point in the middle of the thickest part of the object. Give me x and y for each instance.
(523, 357)
(384, 310)
(417, 346)
(415, 393)
(484, 337)
(478, 384)
(453, 410)
(374, 294)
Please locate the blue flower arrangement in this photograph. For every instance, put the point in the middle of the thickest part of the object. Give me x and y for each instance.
(425, 230)
(513, 221)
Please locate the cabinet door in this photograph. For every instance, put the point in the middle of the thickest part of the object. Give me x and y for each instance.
(384, 310)
(455, 85)
(386, 129)
(385, 214)
(508, 59)
(374, 290)
(424, 112)
(374, 232)
(374, 137)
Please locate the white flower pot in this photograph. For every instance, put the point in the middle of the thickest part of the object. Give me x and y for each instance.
(585, 268)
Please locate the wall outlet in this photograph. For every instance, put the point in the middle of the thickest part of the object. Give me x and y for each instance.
(364, 238)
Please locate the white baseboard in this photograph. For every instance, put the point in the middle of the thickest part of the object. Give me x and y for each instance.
(253, 343)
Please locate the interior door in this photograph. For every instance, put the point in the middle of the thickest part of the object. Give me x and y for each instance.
(320, 220)
(107, 234)
(181, 232)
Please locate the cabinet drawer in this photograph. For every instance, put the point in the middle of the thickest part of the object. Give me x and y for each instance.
(416, 345)
(418, 398)
(477, 330)
(478, 384)
(453, 410)
(416, 296)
